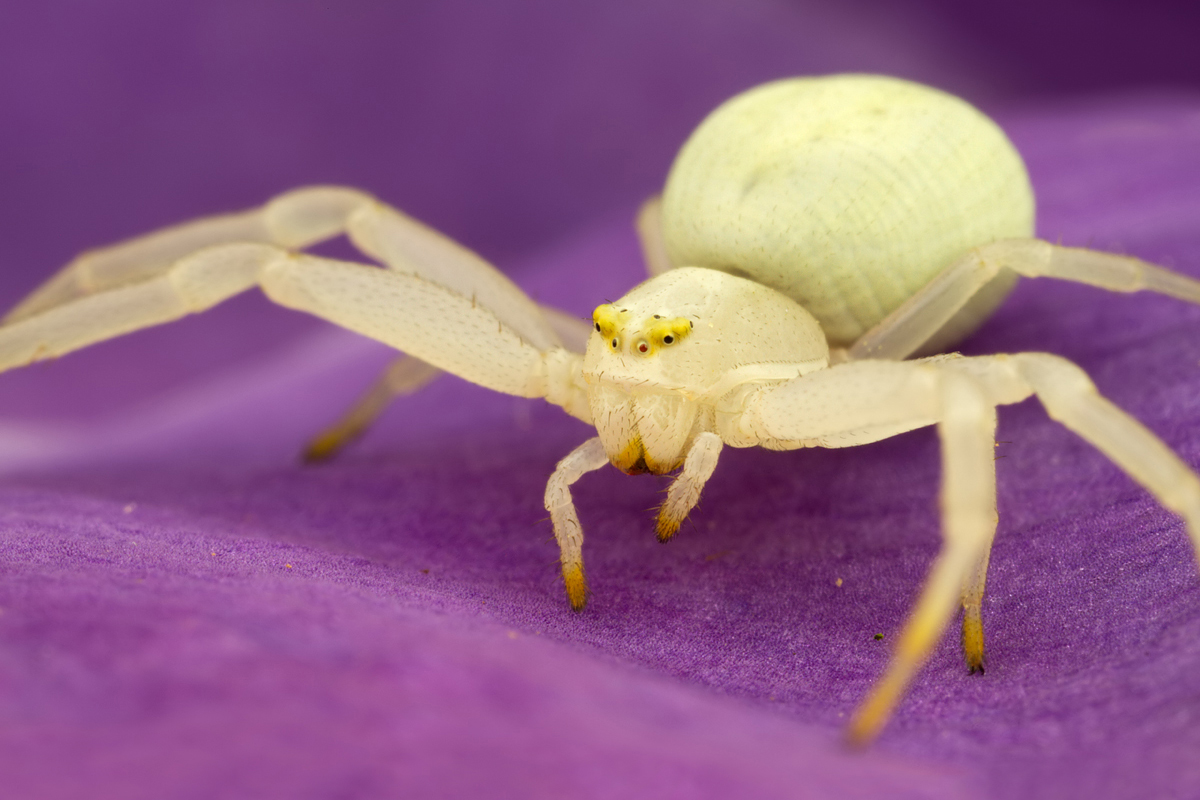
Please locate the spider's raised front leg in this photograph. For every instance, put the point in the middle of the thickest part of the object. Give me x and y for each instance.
(397, 379)
(486, 330)
(866, 401)
(957, 300)
(293, 220)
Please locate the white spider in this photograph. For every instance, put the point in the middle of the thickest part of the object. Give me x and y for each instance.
(876, 218)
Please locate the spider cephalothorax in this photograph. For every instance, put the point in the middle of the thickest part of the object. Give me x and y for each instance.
(703, 332)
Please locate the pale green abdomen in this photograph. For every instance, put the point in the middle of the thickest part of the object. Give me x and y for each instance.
(846, 193)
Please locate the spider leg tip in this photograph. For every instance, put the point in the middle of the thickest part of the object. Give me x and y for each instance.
(576, 586)
(972, 640)
(322, 448)
(859, 734)
(666, 528)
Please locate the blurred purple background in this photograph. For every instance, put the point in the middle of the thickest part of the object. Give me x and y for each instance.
(530, 131)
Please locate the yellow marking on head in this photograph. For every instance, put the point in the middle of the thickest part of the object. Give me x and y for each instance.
(669, 331)
(608, 321)
(656, 333)
(576, 585)
(660, 333)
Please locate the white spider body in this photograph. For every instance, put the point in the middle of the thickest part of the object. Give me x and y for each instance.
(847, 194)
(649, 398)
(890, 218)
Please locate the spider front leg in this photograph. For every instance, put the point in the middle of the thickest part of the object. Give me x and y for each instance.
(586, 458)
(972, 603)
(293, 220)
(396, 380)
(439, 302)
(191, 284)
(140, 282)
(958, 299)
(968, 507)
(437, 325)
(406, 375)
(685, 489)
(681, 498)
(866, 401)
(863, 402)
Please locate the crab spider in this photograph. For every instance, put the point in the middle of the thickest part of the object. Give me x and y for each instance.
(813, 233)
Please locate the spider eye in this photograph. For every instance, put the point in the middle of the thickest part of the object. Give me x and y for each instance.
(668, 339)
(597, 327)
(643, 347)
(615, 343)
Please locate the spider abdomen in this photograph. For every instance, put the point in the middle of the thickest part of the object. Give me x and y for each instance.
(847, 193)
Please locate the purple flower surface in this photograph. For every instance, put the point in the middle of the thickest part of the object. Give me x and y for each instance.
(188, 612)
